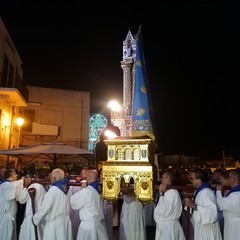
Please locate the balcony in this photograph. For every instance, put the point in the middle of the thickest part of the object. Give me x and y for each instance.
(14, 92)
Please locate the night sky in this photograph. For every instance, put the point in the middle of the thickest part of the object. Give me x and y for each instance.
(191, 52)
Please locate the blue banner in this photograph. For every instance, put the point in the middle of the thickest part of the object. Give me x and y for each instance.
(141, 122)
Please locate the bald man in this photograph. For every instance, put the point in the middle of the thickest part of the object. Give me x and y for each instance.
(89, 203)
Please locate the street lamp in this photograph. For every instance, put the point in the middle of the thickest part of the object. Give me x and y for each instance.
(114, 106)
(19, 122)
(115, 112)
(110, 134)
(110, 131)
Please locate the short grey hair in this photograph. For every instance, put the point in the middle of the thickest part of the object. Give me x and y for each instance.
(58, 173)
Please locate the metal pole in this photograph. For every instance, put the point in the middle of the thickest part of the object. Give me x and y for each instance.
(19, 134)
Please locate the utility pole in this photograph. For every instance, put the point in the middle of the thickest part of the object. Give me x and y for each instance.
(224, 160)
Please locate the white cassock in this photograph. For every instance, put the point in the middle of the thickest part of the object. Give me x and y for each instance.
(108, 216)
(89, 203)
(27, 228)
(230, 206)
(167, 214)
(148, 211)
(9, 193)
(204, 220)
(55, 209)
(132, 220)
(74, 216)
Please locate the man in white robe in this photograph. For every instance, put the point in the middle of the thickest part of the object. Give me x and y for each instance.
(2, 171)
(168, 211)
(230, 205)
(55, 209)
(89, 203)
(10, 190)
(132, 218)
(204, 208)
(108, 216)
(74, 216)
(27, 228)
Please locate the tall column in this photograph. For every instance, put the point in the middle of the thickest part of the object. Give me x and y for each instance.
(123, 119)
(127, 87)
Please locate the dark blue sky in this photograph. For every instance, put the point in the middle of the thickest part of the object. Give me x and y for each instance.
(191, 53)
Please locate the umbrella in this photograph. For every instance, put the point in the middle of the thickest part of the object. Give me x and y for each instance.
(54, 151)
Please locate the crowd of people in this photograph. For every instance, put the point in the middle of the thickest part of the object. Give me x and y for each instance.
(59, 211)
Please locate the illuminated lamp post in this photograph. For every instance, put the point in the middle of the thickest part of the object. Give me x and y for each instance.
(110, 131)
(19, 122)
(110, 134)
(114, 106)
(115, 111)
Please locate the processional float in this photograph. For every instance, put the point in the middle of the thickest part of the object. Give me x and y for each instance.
(128, 160)
(128, 157)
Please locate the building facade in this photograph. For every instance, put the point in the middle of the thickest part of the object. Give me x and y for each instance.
(56, 115)
(13, 90)
(49, 114)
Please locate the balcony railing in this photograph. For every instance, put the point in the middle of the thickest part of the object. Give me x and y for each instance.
(17, 83)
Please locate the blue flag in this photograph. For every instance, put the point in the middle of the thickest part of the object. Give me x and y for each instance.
(141, 122)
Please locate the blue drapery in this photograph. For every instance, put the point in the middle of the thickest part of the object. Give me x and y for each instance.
(141, 122)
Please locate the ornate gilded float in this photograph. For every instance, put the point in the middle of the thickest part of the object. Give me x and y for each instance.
(128, 161)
